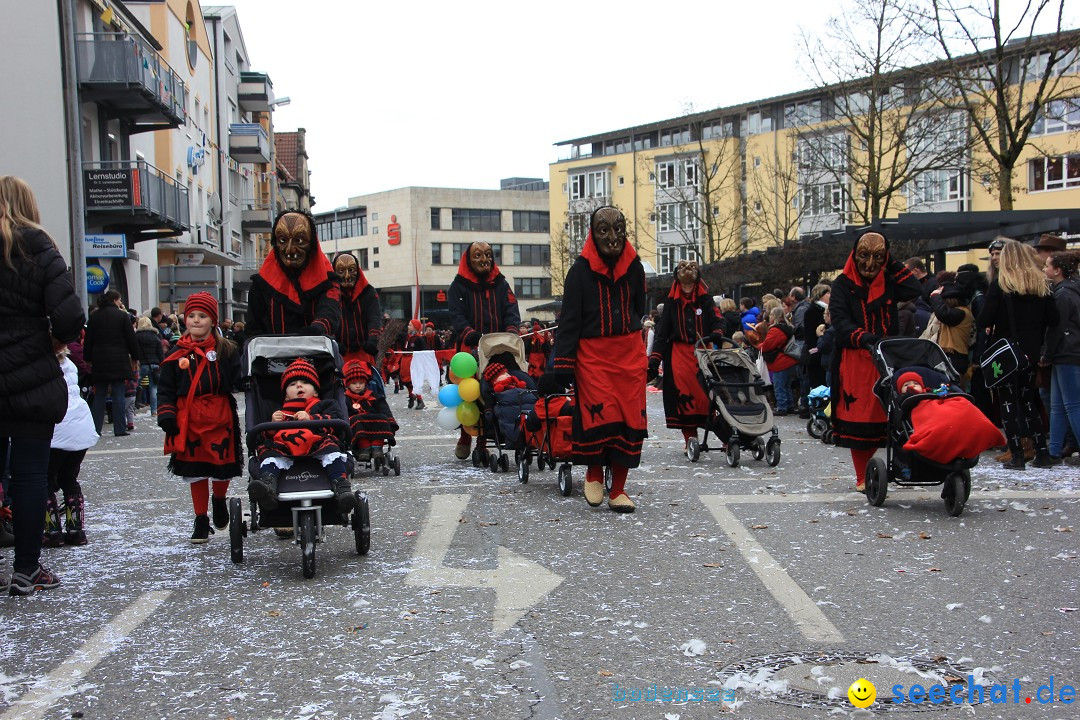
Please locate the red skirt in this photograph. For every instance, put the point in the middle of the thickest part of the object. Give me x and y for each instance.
(685, 404)
(209, 441)
(610, 422)
(858, 418)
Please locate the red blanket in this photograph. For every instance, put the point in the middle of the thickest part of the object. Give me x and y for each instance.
(949, 428)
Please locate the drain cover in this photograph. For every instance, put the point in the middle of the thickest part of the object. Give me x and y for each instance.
(821, 678)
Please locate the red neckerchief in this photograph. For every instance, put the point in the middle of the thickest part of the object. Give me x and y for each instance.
(599, 265)
(185, 345)
(316, 272)
(361, 284)
(467, 272)
(365, 396)
(676, 291)
(877, 286)
(291, 407)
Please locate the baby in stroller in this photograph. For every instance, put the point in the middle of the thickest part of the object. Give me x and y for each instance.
(372, 423)
(300, 386)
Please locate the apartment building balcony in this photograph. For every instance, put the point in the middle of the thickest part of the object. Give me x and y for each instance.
(589, 204)
(127, 77)
(136, 198)
(255, 92)
(248, 143)
(255, 217)
(242, 275)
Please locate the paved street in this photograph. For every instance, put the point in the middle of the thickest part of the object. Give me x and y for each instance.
(485, 598)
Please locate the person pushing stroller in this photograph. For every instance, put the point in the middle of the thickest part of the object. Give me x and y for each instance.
(300, 386)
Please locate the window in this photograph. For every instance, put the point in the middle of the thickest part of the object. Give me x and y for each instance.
(823, 152)
(496, 253)
(644, 142)
(532, 287)
(593, 184)
(539, 255)
(758, 123)
(674, 136)
(1058, 116)
(375, 230)
(717, 129)
(577, 230)
(532, 221)
(807, 113)
(823, 199)
(672, 217)
(363, 258)
(374, 216)
(436, 253)
(677, 173)
(476, 220)
(935, 186)
(1054, 173)
(457, 250)
(669, 256)
(436, 222)
(375, 264)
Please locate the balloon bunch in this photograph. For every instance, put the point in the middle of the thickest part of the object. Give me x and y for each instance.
(459, 399)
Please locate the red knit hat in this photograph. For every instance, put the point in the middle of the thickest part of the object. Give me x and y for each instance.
(356, 371)
(492, 371)
(415, 324)
(907, 377)
(203, 302)
(300, 369)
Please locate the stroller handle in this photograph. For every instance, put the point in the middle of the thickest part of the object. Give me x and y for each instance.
(332, 423)
(724, 340)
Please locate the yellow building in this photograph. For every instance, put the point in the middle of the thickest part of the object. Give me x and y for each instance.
(748, 177)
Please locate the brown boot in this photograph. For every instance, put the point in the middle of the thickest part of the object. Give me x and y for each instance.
(1029, 450)
(1004, 457)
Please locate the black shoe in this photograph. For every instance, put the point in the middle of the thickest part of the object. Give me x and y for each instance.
(123, 434)
(412, 399)
(1046, 460)
(221, 512)
(264, 490)
(202, 530)
(1015, 464)
(419, 403)
(40, 579)
(343, 493)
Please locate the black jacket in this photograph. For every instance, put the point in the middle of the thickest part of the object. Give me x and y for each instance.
(283, 301)
(1063, 340)
(481, 305)
(150, 349)
(361, 316)
(36, 294)
(1034, 315)
(110, 345)
(685, 321)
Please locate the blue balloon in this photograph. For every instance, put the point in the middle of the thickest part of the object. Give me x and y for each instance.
(449, 396)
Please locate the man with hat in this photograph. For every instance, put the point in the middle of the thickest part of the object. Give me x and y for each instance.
(1047, 246)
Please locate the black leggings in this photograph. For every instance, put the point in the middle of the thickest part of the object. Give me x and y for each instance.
(64, 467)
(1021, 410)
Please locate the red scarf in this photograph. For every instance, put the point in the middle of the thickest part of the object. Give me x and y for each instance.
(599, 265)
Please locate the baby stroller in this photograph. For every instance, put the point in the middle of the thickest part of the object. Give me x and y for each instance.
(908, 468)
(389, 459)
(504, 413)
(738, 412)
(306, 500)
(818, 426)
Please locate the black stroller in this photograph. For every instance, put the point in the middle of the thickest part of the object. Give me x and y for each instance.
(907, 468)
(503, 414)
(306, 500)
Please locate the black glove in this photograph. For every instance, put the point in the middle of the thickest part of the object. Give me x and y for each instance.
(554, 382)
(371, 347)
(471, 338)
(654, 369)
(315, 329)
(717, 338)
(868, 341)
(168, 424)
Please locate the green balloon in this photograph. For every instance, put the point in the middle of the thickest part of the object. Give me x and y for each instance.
(463, 365)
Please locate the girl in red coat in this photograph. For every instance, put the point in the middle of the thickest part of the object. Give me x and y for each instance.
(779, 362)
(197, 411)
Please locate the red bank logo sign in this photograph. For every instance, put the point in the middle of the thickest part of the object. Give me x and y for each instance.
(393, 231)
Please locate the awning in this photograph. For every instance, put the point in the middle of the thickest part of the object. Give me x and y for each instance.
(211, 256)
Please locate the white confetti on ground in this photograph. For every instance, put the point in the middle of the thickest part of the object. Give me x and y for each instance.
(693, 647)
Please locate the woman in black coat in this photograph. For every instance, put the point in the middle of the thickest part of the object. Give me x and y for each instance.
(113, 353)
(151, 355)
(1019, 307)
(36, 297)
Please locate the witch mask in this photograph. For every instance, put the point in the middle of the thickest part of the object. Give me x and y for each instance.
(870, 254)
(609, 232)
(292, 240)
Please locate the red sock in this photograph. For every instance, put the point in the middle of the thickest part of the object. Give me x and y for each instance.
(221, 488)
(200, 496)
(594, 473)
(859, 458)
(687, 434)
(618, 480)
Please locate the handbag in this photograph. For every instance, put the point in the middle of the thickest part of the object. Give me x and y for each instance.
(794, 348)
(1004, 358)
(933, 329)
(763, 369)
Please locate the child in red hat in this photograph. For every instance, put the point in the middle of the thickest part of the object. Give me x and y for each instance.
(197, 411)
(370, 418)
(300, 387)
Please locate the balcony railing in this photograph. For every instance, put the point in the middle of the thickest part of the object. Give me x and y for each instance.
(248, 143)
(125, 74)
(135, 189)
(255, 92)
(255, 216)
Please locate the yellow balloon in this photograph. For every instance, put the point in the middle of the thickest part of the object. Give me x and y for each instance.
(469, 389)
(468, 413)
(471, 430)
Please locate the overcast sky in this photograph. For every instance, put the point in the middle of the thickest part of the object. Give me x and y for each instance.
(462, 94)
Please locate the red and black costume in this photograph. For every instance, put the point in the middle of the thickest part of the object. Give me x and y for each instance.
(284, 301)
(537, 349)
(304, 442)
(863, 313)
(480, 305)
(599, 341)
(361, 321)
(687, 317)
(195, 391)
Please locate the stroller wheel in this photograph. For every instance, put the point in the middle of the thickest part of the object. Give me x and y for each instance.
(772, 452)
(307, 543)
(733, 453)
(476, 458)
(877, 481)
(607, 478)
(397, 465)
(816, 427)
(693, 450)
(539, 460)
(361, 524)
(385, 469)
(236, 530)
(759, 449)
(493, 462)
(955, 493)
(827, 437)
(523, 469)
(504, 462)
(566, 480)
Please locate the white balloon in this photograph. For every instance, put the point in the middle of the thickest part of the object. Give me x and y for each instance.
(447, 418)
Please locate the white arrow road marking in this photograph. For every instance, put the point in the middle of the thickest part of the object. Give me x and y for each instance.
(64, 679)
(519, 583)
(811, 622)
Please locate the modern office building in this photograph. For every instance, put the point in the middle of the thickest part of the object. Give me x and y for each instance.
(409, 242)
(747, 177)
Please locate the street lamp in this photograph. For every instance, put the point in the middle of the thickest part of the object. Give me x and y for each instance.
(280, 101)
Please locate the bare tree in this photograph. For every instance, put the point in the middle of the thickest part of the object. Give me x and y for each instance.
(878, 125)
(698, 200)
(773, 205)
(1005, 76)
(568, 240)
